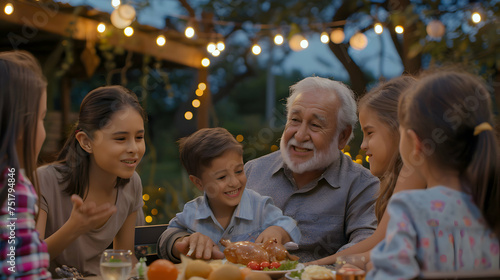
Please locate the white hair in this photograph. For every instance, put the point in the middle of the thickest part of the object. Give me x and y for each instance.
(347, 113)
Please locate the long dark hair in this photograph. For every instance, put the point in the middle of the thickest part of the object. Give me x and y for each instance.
(21, 87)
(444, 109)
(384, 100)
(96, 111)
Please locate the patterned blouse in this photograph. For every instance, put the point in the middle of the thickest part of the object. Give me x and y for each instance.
(22, 254)
(437, 229)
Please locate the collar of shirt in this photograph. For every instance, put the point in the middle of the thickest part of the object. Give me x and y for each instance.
(244, 209)
(331, 174)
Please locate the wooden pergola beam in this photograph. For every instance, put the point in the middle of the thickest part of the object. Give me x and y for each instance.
(47, 17)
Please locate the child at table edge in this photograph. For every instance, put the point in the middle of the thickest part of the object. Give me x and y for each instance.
(214, 162)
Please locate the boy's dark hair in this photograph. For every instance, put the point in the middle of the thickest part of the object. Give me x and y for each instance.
(200, 148)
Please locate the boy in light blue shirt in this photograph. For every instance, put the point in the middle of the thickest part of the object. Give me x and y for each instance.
(214, 162)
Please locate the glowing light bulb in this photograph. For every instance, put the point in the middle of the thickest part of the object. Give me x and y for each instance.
(9, 9)
(161, 40)
(189, 32)
(101, 27)
(202, 86)
(129, 31)
(256, 49)
(221, 46)
(358, 41)
(476, 17)
(325, 38)
(211, 47)
(199, 92)
(399, 29)
(115, 3)
(378, 28)
(205, 62)
(196, 103)
(216, 53)
(337, 36)
(304, 44)
(278, 39)
(188, 115)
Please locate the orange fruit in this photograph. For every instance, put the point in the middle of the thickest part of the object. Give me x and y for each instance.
(162, 270)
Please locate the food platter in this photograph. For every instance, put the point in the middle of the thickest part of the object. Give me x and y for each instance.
(276, 274)
(288, 276)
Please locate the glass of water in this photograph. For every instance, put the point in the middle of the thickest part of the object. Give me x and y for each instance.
(116, 264)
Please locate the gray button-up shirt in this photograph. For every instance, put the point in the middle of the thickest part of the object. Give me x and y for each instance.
(333, 212)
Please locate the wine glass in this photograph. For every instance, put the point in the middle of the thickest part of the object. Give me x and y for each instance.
(350, 267)
(116, 264)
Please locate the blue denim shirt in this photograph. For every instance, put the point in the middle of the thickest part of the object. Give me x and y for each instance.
(333, 212)
(251, 217)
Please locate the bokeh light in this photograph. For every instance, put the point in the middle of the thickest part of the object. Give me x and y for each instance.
(161, 40)
(188, 115)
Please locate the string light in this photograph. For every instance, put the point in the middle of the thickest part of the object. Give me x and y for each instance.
(9, 9)
(129, 31)
(145, 197)
(189, 32)
(221, 46)
(126, 12)
(378, 28)
(435, 29)
(476, 17)
(256, 49)
(304, 44)
(148, 219)
(115, 3)
(239, 138)
(161, 40)
(154, 211)
(367, 159)
(211, 47)
(324, 38)
(196, 103)
(358, 41)
(118, 21)
(199, 92)
(337, 36)
(399, 29)
(278, 39)
(101, 27)
(205, 62)
(295, 42)
(216, 53)
(202, 86)
(188, 115)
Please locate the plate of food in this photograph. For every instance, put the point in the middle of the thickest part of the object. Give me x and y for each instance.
(279, 273)
(311, 272)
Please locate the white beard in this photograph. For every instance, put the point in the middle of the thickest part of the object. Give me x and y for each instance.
(319, 160)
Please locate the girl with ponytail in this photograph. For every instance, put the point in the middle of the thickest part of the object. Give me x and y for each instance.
(92, 194)
(446, 129)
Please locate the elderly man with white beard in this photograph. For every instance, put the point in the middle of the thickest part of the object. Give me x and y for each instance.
(310, 179)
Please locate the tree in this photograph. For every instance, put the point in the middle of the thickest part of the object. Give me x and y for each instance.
(464, 41)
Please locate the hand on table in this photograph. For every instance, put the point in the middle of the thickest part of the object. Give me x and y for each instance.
(273, 232)
(198, 246)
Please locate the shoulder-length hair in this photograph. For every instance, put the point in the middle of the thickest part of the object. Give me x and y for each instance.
(383, 100)
(96, 110)
(22, 86)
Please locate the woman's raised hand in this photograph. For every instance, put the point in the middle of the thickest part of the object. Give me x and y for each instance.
(88, 216)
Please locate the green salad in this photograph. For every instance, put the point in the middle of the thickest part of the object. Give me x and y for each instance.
(286, 265)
